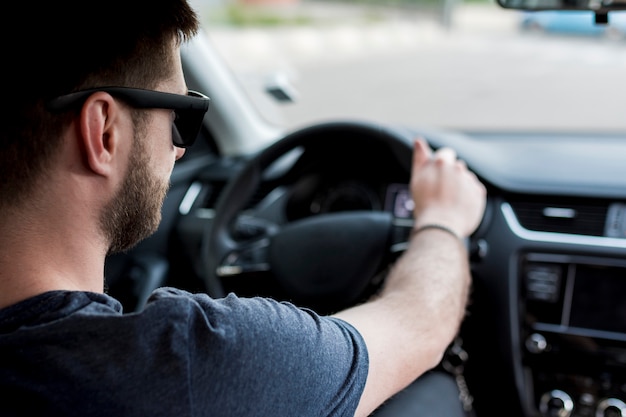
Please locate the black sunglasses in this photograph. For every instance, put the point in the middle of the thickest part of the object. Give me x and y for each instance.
(189, 109)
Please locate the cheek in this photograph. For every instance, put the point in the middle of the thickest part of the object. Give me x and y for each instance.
(162, 150)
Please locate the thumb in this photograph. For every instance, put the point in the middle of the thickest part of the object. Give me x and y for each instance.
(421, 153)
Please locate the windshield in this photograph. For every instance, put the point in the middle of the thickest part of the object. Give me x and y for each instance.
(428, 63)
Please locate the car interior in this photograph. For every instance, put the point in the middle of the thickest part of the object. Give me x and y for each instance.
(316, 215)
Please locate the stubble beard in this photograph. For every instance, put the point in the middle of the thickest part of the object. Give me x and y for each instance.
(135, 211)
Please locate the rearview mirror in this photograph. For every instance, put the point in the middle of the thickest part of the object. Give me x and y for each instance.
(601, 7)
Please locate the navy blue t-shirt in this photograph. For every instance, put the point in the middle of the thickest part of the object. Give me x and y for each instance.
(68, 353)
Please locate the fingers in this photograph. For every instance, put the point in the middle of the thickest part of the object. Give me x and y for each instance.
(446, 155)
(421, 152)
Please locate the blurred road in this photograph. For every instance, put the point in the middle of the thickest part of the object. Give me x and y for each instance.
(481, 72)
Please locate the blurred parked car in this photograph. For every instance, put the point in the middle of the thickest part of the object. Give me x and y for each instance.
(574, 23)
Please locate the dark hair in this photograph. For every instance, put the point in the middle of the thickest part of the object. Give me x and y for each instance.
(53, 47)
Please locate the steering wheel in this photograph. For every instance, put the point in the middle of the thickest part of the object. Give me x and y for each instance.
(325, 261)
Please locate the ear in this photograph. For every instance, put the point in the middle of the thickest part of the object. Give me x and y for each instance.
(101, 126)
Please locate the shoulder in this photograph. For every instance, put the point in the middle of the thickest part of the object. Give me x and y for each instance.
(252, 318)
(286, 360)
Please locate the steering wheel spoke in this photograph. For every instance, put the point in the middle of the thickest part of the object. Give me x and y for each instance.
(250, 258)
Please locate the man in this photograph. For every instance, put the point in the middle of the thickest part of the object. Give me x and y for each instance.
(87, 147)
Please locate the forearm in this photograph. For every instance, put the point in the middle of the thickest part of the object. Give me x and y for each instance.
(409, 325)
(440, 295)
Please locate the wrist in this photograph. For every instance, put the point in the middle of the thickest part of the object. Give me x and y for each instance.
(435, 226)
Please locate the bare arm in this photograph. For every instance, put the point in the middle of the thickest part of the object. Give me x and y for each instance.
(409, 325)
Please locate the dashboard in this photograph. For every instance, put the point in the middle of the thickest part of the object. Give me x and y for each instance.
(551, 278)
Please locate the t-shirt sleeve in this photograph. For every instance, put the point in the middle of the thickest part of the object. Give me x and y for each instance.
(260, 357)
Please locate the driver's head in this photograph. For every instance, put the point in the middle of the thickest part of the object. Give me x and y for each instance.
(51, 48)
(66, 46)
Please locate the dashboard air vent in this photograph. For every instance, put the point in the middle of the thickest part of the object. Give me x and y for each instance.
(562, 216)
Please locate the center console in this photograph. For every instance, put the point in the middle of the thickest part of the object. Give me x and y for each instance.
(573, 328)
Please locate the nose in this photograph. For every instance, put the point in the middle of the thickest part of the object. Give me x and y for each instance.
(179, 153)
